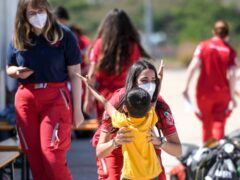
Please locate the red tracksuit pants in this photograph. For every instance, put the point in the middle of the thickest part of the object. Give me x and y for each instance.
(44, 120)
(214, 112)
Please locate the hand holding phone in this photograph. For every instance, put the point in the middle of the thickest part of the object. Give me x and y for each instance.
(23, 69)
(24, 72)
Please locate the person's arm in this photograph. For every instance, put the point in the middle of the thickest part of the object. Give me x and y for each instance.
(16, 73)
(160, 74)
(88, 102)
(172, 145)
(93, 58)
(170, 141)
(76, 85)
(107, 144)
(107, 105)
(194, 65)
(232, 82)
(160, 77)
(118, 119)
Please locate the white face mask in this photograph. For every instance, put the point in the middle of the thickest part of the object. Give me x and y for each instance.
(38, 20)
(149, 87)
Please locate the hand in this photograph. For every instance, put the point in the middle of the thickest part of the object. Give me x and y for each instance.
(78, 119)
(186, 95)
(124, 136)
(23, 72)
(160, 73)
(86, 79)
(87, 106)
(160, 70)
(232, 104)
(153, 137)
(190, 105)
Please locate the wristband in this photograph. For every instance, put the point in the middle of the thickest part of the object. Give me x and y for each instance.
(163, 142)
(114, 144)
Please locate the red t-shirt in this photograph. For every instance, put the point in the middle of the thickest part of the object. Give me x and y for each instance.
(216, 57)
(111, 83)
(83, 43)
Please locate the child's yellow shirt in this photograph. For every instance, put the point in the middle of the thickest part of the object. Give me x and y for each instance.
(140, 158)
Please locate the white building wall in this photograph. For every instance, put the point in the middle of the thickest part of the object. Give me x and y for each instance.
(7, 16)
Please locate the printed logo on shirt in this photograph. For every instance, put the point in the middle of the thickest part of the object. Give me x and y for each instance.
(218, 48)
(169, 118)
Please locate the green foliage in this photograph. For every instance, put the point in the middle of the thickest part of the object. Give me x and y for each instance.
(193, 20)
(182, 20)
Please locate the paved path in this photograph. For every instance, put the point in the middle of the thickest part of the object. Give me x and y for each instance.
(189, 127)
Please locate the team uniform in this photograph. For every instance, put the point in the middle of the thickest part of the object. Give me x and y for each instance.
(83, 43)
(212, 91)
(110, 167)
(107, 84)
(43, 104)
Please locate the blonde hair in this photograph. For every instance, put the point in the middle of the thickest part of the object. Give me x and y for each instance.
(22, 38)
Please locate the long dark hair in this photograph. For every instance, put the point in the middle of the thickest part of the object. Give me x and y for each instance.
(131, 82)
(118, 34)
(133, 74)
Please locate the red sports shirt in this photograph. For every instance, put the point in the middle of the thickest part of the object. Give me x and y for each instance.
(111, 83)
(216, 57)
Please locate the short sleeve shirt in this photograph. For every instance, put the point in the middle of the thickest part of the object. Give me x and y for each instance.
(48, 61)
(121, 119)
(216, 57)
(118, 80)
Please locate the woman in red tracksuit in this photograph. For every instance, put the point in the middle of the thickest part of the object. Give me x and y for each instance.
(108, 140)
(215, 87)
(42, 56)
(116, 48)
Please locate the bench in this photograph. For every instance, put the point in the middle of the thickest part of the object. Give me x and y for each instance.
(88, 125)
(10, 144)
(7, 159)
(13, 144)
(6, 127)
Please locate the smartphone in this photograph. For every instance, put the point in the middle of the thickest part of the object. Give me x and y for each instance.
(24, 69)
